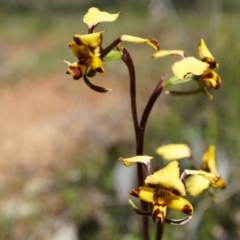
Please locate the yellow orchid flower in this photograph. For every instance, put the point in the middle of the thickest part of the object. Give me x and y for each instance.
(163, 189)
(190, 68)
(207, 176)
(88, 48)
(203, 70)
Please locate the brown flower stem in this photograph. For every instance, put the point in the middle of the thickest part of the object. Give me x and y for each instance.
(142, 128)
(126, 57)
(159, 231)
(146, 113)
(108, 49)
(139, 129)
(131, 70)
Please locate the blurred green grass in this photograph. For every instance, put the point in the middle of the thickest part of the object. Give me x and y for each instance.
(34, 45)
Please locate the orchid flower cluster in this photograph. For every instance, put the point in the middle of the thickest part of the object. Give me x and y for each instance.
(166, 187)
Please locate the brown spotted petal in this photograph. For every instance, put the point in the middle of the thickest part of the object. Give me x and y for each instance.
(206, 56)
(81, 52)
(76, 70)
(159, 209)
(211, 79)
(179, 204)
(143, 193)
(92, 41)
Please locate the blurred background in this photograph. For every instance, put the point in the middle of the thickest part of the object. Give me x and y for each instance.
(60, 141)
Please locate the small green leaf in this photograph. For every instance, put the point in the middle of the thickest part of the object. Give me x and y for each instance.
(174, 80)
(113, 55)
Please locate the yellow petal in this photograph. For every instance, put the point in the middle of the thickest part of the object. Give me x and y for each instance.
(205, 55)
(179, 204)
(95, 16)
(81, 52)
(212, 178)
(159, 210)
(163, 53)
(174, 151)
(151, 42)
(189, 65)
(96, 64)
(92, 40)
(130, 161)
(211, 79)
(168, 178)
(209, 165)
(196, 184)
(143, 193)
(208, 160)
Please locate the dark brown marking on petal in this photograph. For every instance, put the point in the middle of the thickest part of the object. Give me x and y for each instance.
(158, 215)
(211, 62)
(77, 40)
(159, 203)
(218, 81)
(155, 43)
(176, 192)
(209, 75)
(76, 72)
(99, 70)
(153, 185)
(135, 192)
(187, 209)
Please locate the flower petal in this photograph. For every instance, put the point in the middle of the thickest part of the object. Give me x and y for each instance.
(96, 64)
(189, 65)
(162, 178)
(95, 16)
(151, 42)
(196, 184)
(180, 204)
(174, 151)
(141, 159)
(208, 176)
(143, 193)
(76, 70)
(206, 56)
(159, 210)
(211, 79)
(81, 52)
(92, 40)
(208, 160)
(163, 53)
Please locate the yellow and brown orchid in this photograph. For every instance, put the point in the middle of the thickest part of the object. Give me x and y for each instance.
(163, 189)
(201, 179)
(190, 68)
(208, 175)
(89, 51)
